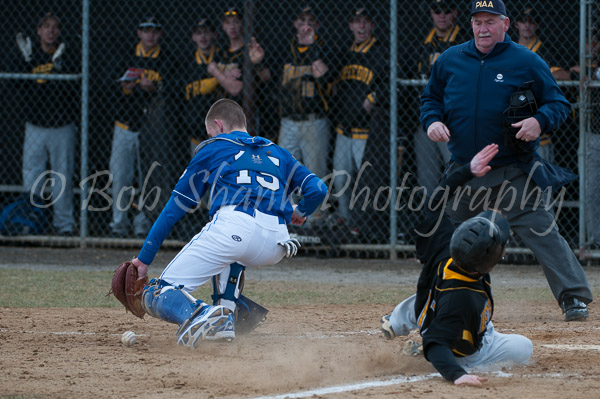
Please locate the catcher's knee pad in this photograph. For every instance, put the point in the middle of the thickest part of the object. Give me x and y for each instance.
(167, 302)
(227, 292)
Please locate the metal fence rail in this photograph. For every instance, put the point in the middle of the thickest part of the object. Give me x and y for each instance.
(135, 79)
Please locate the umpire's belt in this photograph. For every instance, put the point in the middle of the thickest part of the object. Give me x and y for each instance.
(305, 117)
(256, 214)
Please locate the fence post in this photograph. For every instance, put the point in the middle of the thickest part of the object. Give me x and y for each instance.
(393, 124)
(85, 78)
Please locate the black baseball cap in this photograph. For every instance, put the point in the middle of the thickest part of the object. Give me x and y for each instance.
(361, 12)
(203, 23)
(150, 22)
(47, 16)
(491, 6)
(528, 12)
(232, 12)
(442, 5)
(306, 11)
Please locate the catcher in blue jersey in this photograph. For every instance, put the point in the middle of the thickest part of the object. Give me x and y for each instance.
(248, 181)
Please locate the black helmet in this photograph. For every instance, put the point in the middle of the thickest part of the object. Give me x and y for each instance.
(477, 245)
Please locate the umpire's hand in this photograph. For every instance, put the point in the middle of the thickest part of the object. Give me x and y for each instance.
(437, 131)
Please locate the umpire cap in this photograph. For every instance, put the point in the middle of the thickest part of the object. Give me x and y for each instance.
(492, 6)
(477, 245)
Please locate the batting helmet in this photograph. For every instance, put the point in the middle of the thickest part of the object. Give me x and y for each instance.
(477, 245)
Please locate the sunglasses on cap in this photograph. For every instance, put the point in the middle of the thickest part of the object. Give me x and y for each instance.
(438, 10)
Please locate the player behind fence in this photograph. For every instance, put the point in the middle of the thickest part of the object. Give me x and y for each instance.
(453, 306)
(250, 180)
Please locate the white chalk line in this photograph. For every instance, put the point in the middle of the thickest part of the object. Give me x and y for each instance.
(573, 347)
(352, 387)
(393, 381)
(5, 331)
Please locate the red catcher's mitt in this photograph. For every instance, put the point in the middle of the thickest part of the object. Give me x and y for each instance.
(128, 289)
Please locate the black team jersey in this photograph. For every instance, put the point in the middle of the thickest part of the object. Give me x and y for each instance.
(301, 93)
(359, 79)
(50, 103)
(230, 60)
(133, 106)
(433, 46)
(538, 47)
(200, 90)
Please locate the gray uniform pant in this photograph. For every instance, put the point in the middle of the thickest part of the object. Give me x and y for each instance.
(347, 160)
(511, 191)
(496, 348)
(431, 157)
(125, 162)
(592, 188)
(308, 142)
(56, 145)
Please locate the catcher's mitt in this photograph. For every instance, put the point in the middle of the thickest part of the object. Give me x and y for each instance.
(127, 288)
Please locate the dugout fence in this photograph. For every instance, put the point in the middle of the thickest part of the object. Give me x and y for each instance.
(388, 170)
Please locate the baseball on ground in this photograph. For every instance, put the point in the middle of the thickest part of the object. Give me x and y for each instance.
(128, 338)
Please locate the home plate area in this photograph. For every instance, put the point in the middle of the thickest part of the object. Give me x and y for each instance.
(326, 351)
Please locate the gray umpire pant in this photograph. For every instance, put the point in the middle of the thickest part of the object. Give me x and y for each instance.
(524, 204)
(56, 145)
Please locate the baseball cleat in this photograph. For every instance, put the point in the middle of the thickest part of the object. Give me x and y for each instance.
(204, 321)
(386, 327)
(223, 329)
(574, 309)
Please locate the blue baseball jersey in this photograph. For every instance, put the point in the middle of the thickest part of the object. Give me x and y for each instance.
(235, 168)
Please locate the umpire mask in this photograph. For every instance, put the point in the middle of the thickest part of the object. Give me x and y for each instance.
(478, 244)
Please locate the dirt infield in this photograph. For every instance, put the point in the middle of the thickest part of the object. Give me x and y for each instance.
(313, 351)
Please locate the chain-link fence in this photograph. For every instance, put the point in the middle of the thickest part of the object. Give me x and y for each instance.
(100, 141)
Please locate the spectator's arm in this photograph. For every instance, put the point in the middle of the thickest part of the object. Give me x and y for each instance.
(231, 85)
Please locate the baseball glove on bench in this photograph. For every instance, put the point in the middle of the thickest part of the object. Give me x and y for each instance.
(127, 288)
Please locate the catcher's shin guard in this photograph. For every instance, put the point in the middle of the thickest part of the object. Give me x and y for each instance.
(169, 303)
(228, 293)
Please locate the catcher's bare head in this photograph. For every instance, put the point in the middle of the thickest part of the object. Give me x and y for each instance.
(478, 244)
(225, 116)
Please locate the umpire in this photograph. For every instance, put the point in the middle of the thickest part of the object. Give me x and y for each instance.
(491, 90)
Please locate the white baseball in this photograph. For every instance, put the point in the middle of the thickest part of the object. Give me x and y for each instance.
(128, 338)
